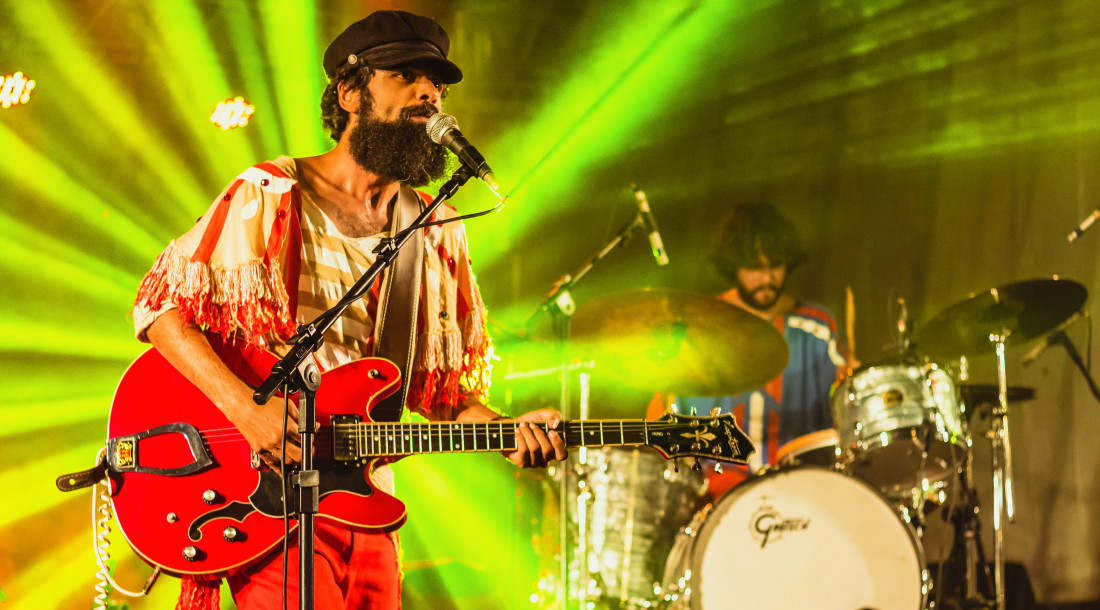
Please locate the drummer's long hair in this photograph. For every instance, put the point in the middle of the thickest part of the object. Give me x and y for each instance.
(753, 230)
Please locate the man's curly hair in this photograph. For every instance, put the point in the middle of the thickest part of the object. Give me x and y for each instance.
(753, 230)
(333, 117)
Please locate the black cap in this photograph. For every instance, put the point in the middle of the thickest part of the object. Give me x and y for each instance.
(388, 39)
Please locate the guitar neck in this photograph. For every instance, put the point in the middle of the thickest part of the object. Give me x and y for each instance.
(358, 440)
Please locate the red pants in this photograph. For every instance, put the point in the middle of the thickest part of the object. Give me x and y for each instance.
(351, 569)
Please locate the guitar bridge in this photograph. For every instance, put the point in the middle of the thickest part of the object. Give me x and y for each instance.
(345, 429)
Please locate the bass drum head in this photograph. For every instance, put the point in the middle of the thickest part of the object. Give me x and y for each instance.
(806, 537)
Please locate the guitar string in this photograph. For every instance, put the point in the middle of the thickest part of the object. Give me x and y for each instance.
(383, 433)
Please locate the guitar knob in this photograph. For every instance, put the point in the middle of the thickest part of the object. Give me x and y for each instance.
(190, 553)
(230, 533)
(211, 497)
(172, 517)
(374, 374)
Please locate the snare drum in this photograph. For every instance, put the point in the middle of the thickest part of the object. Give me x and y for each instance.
(802, 537)
(898, 424)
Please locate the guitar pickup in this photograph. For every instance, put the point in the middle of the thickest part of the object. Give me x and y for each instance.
(344, 446)
(123, 452)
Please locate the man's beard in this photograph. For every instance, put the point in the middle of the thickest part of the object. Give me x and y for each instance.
(751, 299)
(398, 150)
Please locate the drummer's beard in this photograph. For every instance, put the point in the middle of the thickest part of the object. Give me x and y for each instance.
(761, 297)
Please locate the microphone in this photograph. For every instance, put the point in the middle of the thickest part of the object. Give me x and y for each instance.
(1085, 224)
(650, 226)
(443, 129)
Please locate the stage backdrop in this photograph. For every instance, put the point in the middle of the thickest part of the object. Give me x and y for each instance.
(925, 150)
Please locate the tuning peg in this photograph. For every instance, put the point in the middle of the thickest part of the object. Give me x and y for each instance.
(715, 412)
(718, 468)
(693, 410)
(696, 465)
(676, 466)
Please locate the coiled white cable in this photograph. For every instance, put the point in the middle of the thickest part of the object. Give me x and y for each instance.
(101, 529)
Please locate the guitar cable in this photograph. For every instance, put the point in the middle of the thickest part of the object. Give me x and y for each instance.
(101, 530)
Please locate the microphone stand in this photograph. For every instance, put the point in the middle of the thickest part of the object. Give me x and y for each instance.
(561, 306)
(298, 372)
(1060, 337)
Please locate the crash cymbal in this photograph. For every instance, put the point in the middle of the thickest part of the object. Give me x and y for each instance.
(974, 394)
(1021, 312)
(680, 342)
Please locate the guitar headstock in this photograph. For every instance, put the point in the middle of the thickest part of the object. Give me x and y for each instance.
(715, 437)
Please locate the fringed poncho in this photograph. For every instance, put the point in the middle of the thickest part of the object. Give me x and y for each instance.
(265, 258)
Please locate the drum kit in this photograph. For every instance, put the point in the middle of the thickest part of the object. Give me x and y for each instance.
(837, 520)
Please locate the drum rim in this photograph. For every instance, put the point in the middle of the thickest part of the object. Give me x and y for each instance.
(700, 533)
(798, 445)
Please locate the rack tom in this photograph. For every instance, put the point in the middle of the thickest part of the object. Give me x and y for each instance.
(899, 424)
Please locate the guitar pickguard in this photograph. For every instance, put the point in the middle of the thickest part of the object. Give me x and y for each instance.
(267, 498)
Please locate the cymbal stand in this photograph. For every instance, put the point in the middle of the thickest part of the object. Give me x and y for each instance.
(971, 593)
(561, 306)
(967, 541)
(1003, 504)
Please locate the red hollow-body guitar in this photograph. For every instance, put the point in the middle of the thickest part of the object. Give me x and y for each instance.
(190, 498)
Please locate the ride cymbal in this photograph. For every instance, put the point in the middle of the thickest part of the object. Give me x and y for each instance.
(1018, 312)
(680, 342)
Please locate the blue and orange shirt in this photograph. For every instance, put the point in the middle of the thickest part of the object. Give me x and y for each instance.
(797, 401)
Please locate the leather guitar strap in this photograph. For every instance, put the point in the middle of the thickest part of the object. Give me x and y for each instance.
(395, 325)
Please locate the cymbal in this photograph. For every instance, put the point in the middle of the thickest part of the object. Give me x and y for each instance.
(1019, 312)
(680, 342)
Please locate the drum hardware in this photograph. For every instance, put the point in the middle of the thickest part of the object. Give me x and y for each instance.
(966, 556)
(994, 320)
(560, 305)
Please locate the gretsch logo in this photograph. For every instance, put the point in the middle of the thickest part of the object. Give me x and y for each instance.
(735, 449)
(767, 525)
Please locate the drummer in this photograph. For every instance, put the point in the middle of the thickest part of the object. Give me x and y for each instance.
(756, 249)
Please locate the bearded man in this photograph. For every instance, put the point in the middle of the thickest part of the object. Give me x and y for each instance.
(756, 249)
(285, 241)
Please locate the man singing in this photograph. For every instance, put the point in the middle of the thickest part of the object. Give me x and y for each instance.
(286, 239)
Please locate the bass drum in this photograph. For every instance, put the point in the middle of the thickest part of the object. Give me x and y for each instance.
(802, 537)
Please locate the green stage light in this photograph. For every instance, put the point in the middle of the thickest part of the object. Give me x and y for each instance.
(36, 479)
(630, 75)
(291, 41)
(93, 102)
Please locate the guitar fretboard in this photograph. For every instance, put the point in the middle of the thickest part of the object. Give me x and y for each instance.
(358, 440)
